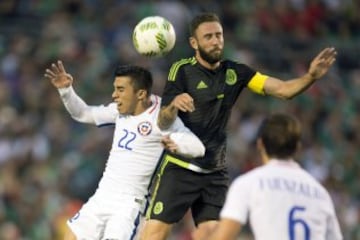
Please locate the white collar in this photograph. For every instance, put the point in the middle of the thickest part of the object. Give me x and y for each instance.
(285, 162)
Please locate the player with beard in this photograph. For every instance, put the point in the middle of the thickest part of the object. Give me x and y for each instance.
(202, 90)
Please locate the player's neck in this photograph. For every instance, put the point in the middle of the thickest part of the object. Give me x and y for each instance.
(211, 66)
(142, 106)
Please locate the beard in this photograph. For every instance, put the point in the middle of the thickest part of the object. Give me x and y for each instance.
(211, 56)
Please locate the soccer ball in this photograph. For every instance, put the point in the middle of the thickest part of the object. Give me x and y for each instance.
(154, 36)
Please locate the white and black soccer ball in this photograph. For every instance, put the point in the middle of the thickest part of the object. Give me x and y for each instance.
(154, 36)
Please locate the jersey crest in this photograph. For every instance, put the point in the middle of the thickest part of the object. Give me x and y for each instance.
(144, 128)
(231, 77)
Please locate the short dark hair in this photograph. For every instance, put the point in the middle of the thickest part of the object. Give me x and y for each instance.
(141, 78)
(280, 134)
(201, 18)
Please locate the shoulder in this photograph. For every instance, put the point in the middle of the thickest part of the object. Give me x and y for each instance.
(236, 65)
(184, 61)
(174, 69)
(313, 180)
(249, 177)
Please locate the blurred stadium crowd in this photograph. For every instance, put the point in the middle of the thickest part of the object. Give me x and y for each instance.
(49, 164)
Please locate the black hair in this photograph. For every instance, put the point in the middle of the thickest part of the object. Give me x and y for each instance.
(141, 78)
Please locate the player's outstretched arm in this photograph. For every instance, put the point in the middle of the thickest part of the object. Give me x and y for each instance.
(77, 108)
(183, 102)
(319, 66)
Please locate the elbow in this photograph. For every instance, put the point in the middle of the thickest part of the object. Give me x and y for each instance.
(200, 151)
(282, 91)
(287, 97)
(192, 151)
(79, 119)
(283, 95)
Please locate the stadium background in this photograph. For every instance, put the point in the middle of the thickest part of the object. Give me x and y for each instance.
(49, 163)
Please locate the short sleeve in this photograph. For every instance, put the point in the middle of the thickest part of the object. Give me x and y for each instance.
(174, 85)
(237, 204)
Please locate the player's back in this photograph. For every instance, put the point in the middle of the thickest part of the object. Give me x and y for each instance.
(285, 202)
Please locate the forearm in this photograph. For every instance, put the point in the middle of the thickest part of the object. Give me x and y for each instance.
(299, 85)
(77, 108)
(167, 117)
(290, 88)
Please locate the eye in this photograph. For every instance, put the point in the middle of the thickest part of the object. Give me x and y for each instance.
(208, 36)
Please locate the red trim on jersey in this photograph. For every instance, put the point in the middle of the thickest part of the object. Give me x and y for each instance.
(155, 104)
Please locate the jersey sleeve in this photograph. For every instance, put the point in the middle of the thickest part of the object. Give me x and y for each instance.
(104, 114)
(174, 85)
(237, 203)
(254, 80)
(188, 143)
(82, 112)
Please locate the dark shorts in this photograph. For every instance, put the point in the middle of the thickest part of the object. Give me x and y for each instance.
(177, 189)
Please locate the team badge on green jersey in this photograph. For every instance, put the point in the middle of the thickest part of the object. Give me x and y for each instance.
(231, 77)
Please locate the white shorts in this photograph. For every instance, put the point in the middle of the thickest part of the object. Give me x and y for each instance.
(101, 219)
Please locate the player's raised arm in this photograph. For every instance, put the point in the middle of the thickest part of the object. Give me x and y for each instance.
(319, 66)
(58, 75)
(77, 108)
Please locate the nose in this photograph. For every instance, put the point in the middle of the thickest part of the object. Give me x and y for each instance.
(113, 95)
(216, 40)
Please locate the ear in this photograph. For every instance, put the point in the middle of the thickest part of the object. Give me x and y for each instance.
(142, 94)
(260, 146)
(193, 43)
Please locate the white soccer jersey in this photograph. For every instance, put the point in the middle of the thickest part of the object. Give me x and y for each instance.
(136, 149)
(283, 202)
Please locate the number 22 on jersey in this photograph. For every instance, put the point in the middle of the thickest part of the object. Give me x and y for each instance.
(126, 139)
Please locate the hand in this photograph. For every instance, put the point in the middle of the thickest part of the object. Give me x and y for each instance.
(58, 75)
(184, 102)
(322, 62)
(169, 144)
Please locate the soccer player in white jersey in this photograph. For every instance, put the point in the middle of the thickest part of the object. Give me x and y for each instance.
(280, 199)
(114, 210)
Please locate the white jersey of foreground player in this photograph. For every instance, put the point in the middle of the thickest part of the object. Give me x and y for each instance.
(300, 207)
(114, 210)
